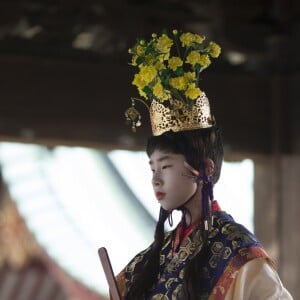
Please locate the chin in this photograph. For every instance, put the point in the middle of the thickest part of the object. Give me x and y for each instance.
(167, 207)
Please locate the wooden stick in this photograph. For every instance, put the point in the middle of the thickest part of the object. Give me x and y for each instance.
(108, 271)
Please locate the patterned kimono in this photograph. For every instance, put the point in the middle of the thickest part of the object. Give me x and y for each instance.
(230, 246)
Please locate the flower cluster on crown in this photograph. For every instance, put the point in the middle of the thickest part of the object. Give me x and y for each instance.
(168, 72)
(169, 66)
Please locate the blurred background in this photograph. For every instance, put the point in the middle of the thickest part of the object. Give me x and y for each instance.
(73, 175)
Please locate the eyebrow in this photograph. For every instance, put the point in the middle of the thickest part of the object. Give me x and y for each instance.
(162, 158)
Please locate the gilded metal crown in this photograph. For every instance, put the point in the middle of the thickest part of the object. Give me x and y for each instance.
(179, 117)
(169, 68)
(173, 115)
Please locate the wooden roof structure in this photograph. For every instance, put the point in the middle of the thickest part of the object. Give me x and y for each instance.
(65, 77)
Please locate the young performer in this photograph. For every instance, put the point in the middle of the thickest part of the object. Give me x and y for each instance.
(208, 255)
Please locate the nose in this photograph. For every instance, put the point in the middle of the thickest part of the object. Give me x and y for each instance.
(156, 180)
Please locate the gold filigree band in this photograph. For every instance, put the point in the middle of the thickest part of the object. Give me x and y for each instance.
(178, 117)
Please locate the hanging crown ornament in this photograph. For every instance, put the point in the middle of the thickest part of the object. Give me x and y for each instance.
(168, 79)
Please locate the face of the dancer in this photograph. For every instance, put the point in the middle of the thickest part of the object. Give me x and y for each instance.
(173, 183)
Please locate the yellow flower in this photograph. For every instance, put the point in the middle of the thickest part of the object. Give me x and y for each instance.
(187, 39)
(159, 92)
(142, 93)
(193, 92)
(164, 43)
(199, 38)
(149, 59)
(214, 49)
(164, 56)
(190, 76)
(178, 83)
(204, 60)
(159, 66)
(148, 73)
(138, 81)
(175, 62)
(193, 58)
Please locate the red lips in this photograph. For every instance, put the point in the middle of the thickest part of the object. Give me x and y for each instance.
(159, 195)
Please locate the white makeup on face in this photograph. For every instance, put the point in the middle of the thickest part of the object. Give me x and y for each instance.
(172, 181)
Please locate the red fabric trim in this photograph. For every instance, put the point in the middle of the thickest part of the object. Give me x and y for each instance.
(186, 233)
(243, 256)
(188, 230)
(216, 206)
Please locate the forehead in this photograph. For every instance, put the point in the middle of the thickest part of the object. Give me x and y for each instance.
(160, 156)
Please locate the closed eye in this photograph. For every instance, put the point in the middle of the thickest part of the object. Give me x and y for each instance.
(167, 166)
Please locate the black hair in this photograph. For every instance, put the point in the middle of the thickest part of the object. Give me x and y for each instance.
(196, 145)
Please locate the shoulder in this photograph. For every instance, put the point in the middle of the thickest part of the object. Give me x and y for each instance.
(124, 278)
(249, 273)
(237, 243)
(139, 257)
(233, 233)
(142, 256)
(257, 279)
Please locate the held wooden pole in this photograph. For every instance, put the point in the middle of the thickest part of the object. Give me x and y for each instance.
(108, 271)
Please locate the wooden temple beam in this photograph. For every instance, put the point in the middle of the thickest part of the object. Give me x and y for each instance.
(84, 102)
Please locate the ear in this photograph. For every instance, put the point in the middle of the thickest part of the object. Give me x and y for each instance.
(209, 167)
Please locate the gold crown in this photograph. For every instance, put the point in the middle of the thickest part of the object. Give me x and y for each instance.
(168, 77)
(174, 116)
(180, 117)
